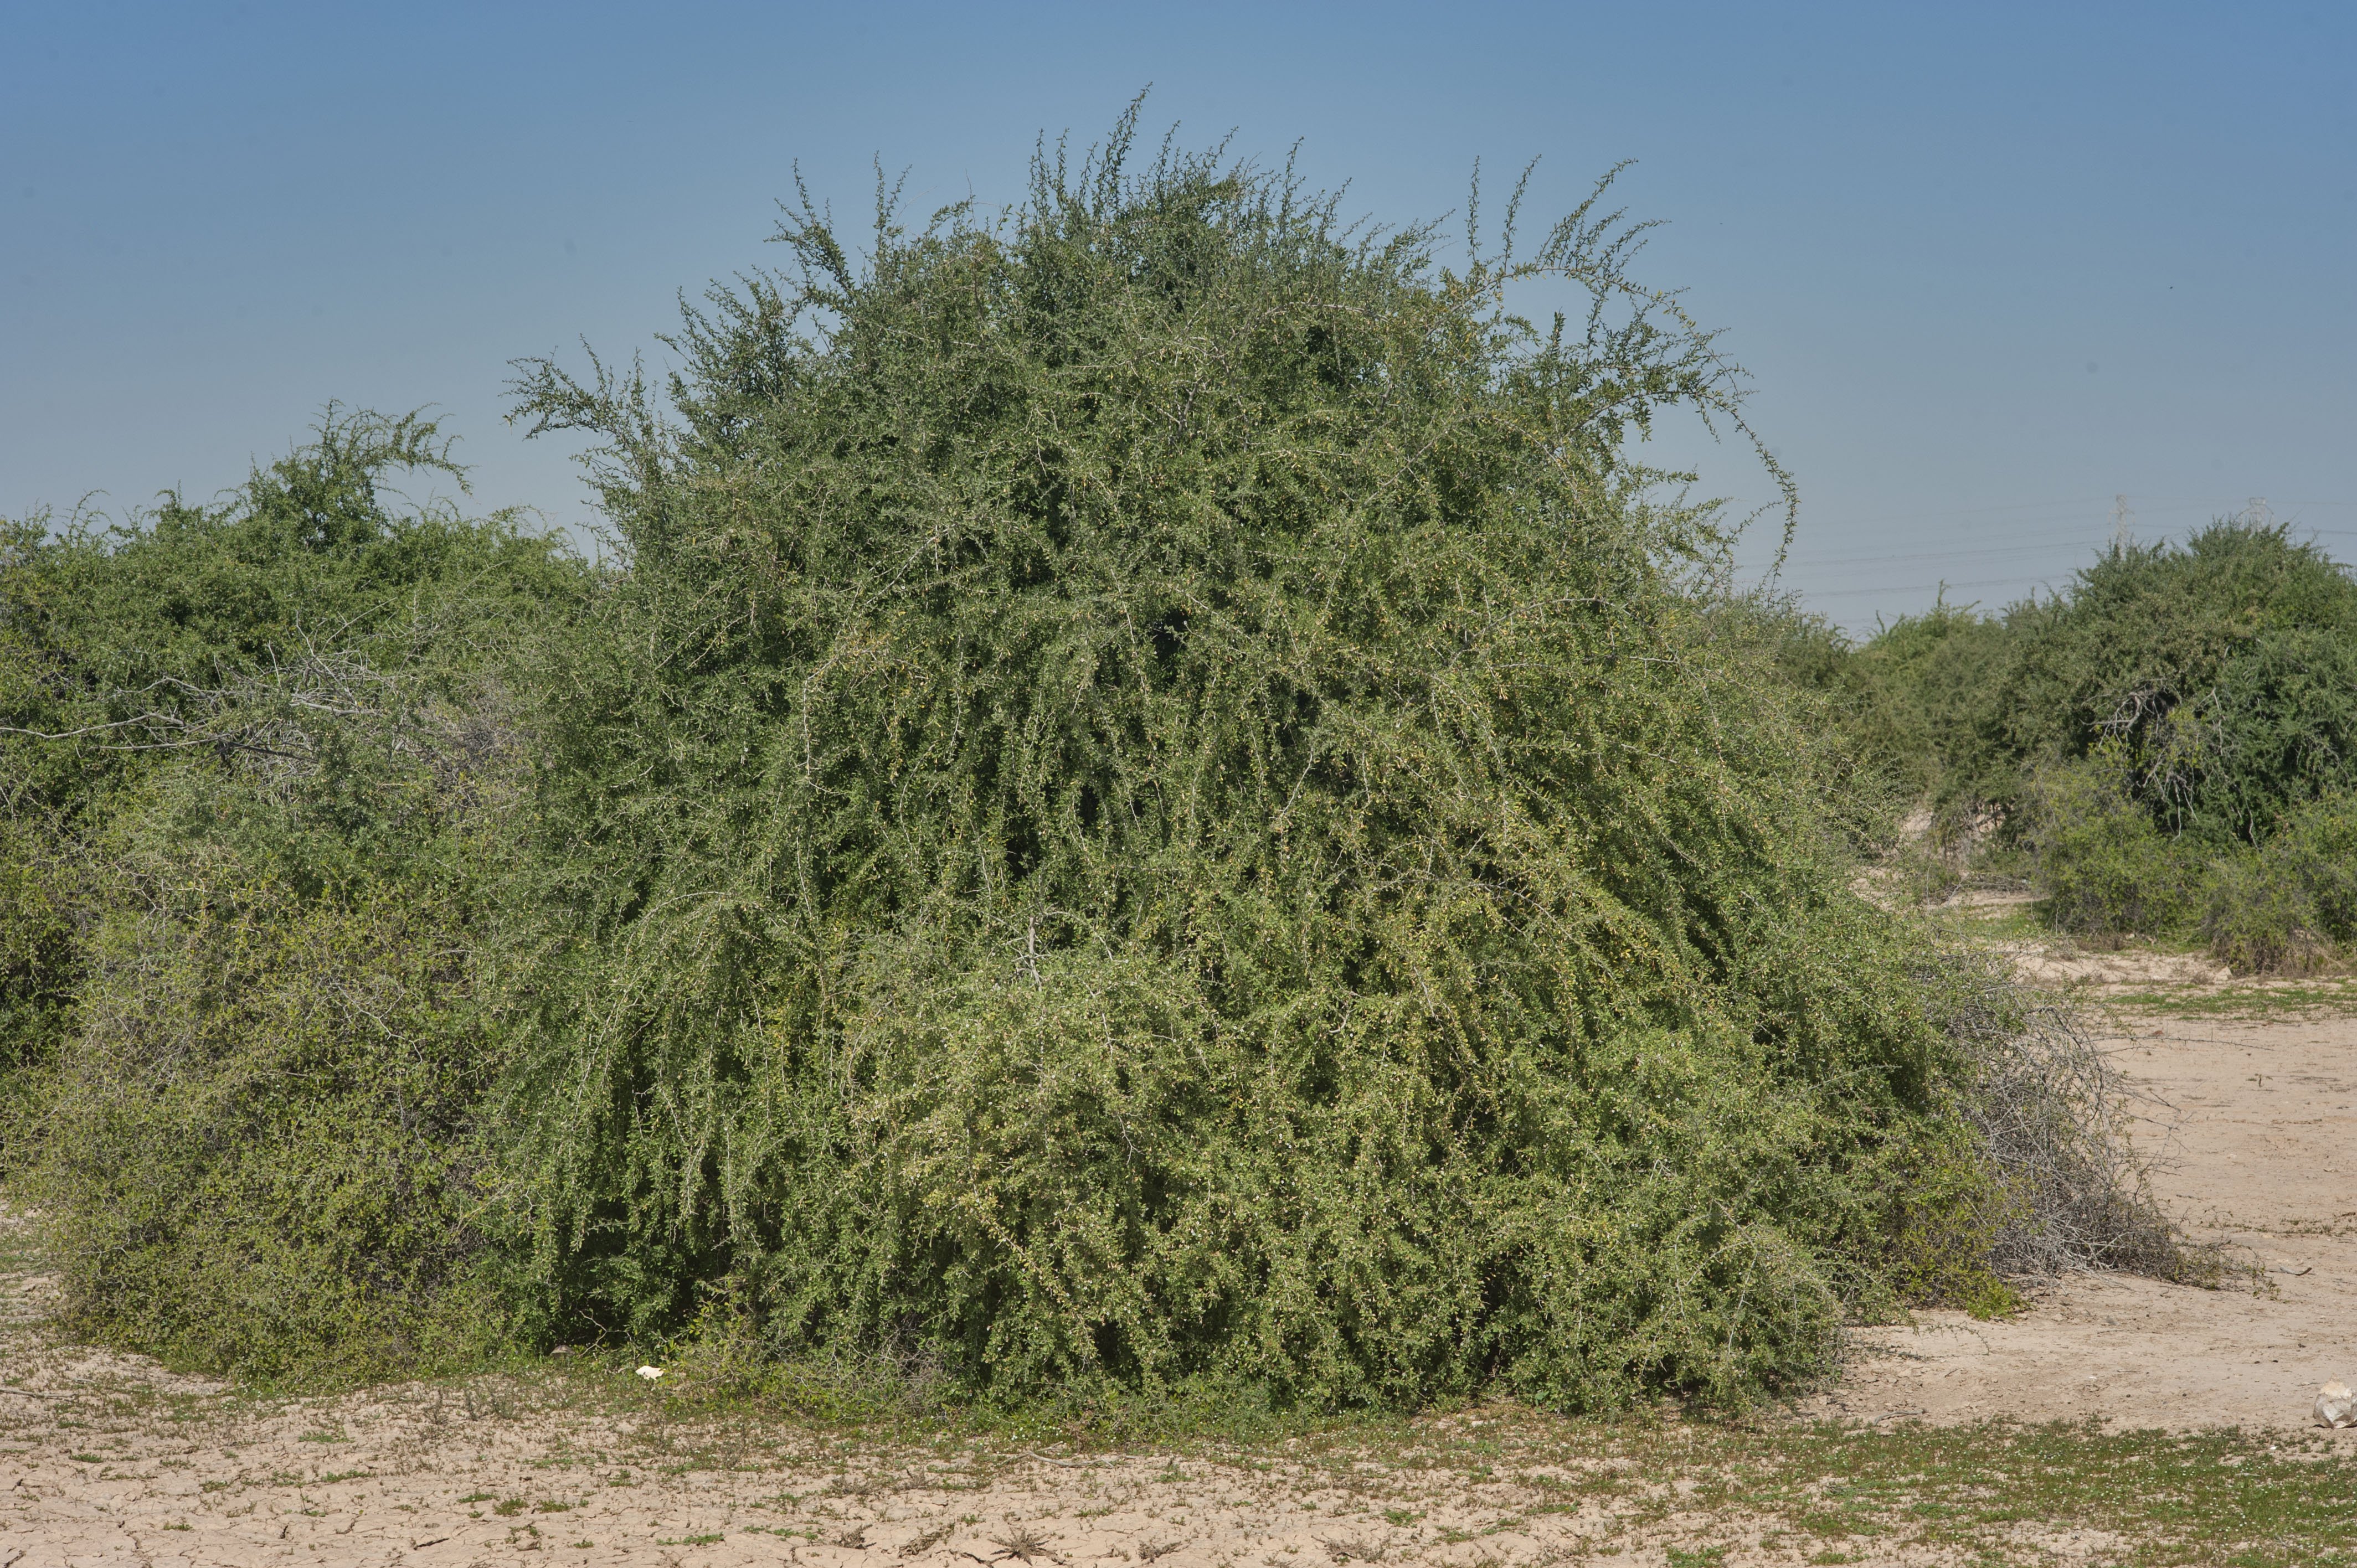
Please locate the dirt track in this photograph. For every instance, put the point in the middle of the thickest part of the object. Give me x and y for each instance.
(108, 1460)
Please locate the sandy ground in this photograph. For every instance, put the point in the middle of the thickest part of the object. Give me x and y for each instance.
(2255, 1130)
(107, 1459)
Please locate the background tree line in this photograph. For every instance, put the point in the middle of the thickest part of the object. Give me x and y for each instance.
(2165, 749)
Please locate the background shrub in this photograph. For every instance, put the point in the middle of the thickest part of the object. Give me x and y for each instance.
(2147, 735)
(2106, 868)
(2315, 849)
(259, 1143)
(2259, 922)
(264, 783)
(1933, 676)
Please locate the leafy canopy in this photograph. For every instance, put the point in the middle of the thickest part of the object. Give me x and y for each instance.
(2214, 683)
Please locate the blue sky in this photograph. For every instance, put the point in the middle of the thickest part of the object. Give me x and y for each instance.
(1988, 266)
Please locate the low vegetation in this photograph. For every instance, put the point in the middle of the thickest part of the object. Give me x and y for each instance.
(592, 1458)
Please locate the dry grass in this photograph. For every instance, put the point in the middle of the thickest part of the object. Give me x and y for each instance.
(1026, 1545)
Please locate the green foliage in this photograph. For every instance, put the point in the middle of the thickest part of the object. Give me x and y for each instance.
(1953, 1215)
(2315, 849)
(2219, 667)
(261, 1141)
(2280, 908)
(37, 947)
(2223, 673)
(1932, 675)
(1153, 805)
(219, 632)
(263, 774)
(1881, 758)
(126, 638)
(2147, 734)
(2107, 868)
(1157, 816)
(2276, 909)
(2260, 923)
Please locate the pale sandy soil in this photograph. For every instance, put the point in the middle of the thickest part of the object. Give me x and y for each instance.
(108, 1459)
(2255, 1125)
(134, 1467)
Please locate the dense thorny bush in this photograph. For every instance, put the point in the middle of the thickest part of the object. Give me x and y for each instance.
(2109, 870)
(1881, 761)
(1153, 803)
(2219, 669)
(1930, 676)
(220, 631)
(261, 778)
(258, 1141)
(2106, 868)
(2223, 673)
(2282, 906)
(1152, 810)
(2315, 849)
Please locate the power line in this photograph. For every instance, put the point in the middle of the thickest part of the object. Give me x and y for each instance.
(1801, 563)
(2075, 539)
(1919, 587)
(1911, 556)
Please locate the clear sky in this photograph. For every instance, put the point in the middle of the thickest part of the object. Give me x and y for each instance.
(1989, 265)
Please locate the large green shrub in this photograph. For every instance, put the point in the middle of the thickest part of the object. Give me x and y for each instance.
(38, 949)
(2107, 868)
(200, 630)
(2315, 849)
(1884, 761)
(259, 1147)
(1154, 802)
(2282, 906)
(265, 775)
(1153, 805)
(1932, 675)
